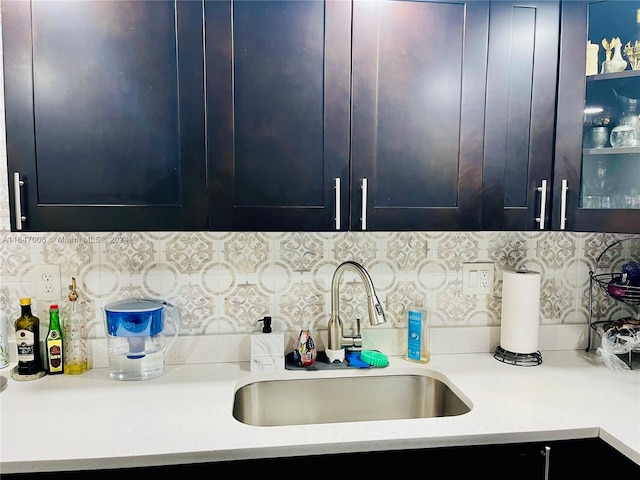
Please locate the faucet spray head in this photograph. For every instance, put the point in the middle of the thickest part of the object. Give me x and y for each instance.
(376, 313)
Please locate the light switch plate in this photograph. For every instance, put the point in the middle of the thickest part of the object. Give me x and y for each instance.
(477, 278)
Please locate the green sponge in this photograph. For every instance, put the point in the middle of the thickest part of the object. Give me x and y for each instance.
(374, 358)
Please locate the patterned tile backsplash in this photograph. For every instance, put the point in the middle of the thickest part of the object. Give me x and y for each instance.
(224, 282)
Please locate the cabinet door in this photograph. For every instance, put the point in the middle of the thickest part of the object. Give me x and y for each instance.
(520, 112)
(278, 114)
(600, 181)
(104, 114)
(418, 114)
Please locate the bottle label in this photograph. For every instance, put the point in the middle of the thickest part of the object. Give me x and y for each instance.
(25, 341)
(54, 355)
(414, 340)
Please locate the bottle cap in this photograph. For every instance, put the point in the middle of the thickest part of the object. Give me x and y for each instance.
(53, 306)
(25, 301)
(73, 293)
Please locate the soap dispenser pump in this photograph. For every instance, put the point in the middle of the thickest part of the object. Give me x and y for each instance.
(266, 326)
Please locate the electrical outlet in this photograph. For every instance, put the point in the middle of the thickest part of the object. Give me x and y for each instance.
(484, 279)
(48, 283)
(477, 278)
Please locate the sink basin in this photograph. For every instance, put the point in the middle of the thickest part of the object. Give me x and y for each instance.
(304, 401)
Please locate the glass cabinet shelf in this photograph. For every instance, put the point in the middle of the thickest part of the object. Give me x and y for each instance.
(613, 76)
(610, 150)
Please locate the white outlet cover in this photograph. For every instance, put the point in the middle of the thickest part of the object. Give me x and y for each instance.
(477, 278)
(48, 286)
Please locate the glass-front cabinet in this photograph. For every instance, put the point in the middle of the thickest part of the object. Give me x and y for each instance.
(597, 187)
(611, 142)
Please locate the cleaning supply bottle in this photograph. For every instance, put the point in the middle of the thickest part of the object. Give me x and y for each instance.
(75, 336)
(418, 335)
(54, 343)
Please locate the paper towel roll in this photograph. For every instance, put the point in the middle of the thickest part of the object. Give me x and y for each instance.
(520, 311)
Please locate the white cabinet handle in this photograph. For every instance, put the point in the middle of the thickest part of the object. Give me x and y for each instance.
(543, 203)
(17, 185)
(563, 204)
(337, 192)
(363, 217)
(547, 459)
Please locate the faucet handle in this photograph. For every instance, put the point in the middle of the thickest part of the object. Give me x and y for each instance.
(356, 340)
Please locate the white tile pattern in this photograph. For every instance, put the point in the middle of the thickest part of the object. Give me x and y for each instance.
(224, 283)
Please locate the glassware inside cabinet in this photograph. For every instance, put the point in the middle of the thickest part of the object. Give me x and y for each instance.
(611, 131)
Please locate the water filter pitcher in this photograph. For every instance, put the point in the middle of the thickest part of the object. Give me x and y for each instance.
(136, 337)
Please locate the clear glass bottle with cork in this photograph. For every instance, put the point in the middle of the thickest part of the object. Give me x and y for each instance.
(76, 359)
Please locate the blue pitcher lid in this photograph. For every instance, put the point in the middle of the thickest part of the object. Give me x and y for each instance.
(134, 305)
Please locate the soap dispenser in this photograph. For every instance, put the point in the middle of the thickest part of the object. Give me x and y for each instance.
(267, 348)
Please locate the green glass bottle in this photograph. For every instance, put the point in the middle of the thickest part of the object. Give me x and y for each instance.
(55, 362)
(28, 340)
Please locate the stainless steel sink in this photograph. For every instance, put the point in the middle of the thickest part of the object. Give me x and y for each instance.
(304, 401)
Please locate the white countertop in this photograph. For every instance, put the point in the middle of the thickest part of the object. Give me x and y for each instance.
(185, 416)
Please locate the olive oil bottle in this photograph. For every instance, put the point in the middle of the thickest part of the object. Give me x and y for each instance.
(28, 340)
(54, 350)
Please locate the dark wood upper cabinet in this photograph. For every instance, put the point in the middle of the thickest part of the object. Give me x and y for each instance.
(313, 115)
(307, 101)
(390, 115)
(278, 89)
(520, 114)
(540, 173)
(104, 110)
(418, 76)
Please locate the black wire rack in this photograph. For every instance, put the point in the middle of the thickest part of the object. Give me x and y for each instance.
(618, 286)
(520, 359)
(609, 279)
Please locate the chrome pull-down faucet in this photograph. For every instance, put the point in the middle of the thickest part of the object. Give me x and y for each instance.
(337, 341)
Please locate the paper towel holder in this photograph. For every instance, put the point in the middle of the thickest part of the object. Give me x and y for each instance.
(519, 359)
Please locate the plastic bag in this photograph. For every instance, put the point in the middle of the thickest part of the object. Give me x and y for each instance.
(618, 338)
